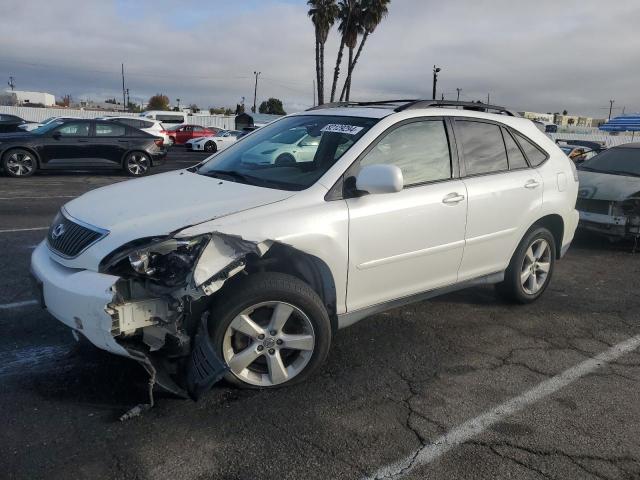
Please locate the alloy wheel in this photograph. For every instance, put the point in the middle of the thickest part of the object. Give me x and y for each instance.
(137, 164)
(20, 164)
(535, 266)
(268, 343)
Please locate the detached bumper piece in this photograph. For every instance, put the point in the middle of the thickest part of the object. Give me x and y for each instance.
(204, 367)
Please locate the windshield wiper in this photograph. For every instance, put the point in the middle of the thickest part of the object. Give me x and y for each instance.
(231, 174)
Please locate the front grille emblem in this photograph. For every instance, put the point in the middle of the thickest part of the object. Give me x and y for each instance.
(58, 231)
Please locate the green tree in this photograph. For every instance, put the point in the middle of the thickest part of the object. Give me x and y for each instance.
(133, 107)
(158, 102)
(371, 14)
(564, 112)
(323, 15)
(194, 108)
(272, 106)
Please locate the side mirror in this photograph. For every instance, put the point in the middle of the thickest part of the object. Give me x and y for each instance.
(57, 135)
(379, 179)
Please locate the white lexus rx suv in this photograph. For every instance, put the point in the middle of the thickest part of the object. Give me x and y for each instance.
(246, 270)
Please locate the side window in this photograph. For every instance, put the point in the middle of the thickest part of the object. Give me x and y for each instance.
(198, 129)
(419, 149)
(533, 153)
(483, 147)
(126, 121)
(75, 129)
(145, 124)
(110, 130)
(516, 158)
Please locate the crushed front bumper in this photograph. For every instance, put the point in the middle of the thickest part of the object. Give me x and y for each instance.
(613, 226)
(77, 298)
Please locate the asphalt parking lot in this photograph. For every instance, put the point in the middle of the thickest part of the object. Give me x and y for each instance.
(460, 387)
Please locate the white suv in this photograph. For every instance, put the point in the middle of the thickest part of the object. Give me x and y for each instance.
(247, 269)
(154, 127)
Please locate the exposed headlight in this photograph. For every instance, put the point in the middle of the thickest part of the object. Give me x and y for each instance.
(168, 261)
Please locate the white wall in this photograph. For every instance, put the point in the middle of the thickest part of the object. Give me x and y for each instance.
(33, 114)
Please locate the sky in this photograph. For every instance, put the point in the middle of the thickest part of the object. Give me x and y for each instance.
(542, 55)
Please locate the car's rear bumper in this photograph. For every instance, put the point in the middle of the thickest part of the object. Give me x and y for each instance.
(159, 158)
(77, 298)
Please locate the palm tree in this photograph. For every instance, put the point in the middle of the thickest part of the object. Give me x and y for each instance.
(352, 28)
(372, 13)
(323, 14)
(346, 9)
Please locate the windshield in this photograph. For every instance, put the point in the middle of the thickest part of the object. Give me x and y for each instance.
(47, 128)
(289, 154)
(621, 161)
(566, 150)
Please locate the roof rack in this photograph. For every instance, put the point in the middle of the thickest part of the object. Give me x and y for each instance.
(401, 105)
(477, 106)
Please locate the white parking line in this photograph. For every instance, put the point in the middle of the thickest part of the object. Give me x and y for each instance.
(33, 229)
(477, 425)
(37, 198)
(25, 303)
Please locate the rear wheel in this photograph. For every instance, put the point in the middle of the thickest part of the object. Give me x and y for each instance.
(271, 330)
(210, 147)
(19, 163)
(137, 164)
(285, 159)
(531, 267)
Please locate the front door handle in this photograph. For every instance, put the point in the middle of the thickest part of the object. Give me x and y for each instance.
(531, 184)
(453, 198)
(83, 141)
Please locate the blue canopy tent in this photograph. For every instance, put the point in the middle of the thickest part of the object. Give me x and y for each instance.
(626, 123)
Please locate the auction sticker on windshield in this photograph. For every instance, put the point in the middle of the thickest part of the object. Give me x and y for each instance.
(338, 128)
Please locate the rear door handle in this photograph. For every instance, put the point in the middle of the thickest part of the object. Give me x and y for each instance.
(83, 141)
(531, 184)
(453, 198)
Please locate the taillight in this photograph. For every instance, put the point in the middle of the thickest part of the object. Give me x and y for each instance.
(159, 141)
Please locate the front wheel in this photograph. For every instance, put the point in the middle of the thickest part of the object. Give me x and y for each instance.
(531, 267)
(19, 163)
(210, 147)
(271, 329)
(137, 164)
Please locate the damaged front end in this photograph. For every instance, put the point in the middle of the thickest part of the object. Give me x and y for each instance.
(615, 220)
(160, 304)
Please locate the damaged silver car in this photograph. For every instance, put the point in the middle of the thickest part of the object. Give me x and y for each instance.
(245, 265)
(609, 195)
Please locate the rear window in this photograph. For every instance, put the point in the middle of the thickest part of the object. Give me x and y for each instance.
(535, 155)
(516, 158)
(483, 147)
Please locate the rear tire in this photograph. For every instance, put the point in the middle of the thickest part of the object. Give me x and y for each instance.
(19, 163)
(136, 164)
(210, 147)
(529, 272)
(285, 159)
(271, 329)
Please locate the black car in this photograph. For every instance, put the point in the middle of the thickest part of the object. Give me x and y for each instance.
(10, 123)
(80, 144)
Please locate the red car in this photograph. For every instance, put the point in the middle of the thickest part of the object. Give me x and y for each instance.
(179, 134)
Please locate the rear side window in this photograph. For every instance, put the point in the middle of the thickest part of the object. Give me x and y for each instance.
(145, 124)
(127, 121)
(110, 130)
(535, 155)
(419, 149)
(483, 147)
(516, 158)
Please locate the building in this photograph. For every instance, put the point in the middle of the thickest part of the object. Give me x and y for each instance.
(538, 117)
(39, 98)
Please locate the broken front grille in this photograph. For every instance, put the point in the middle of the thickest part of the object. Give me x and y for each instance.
(593, 206)
(69, 239)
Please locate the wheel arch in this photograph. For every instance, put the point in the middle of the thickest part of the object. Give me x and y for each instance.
(555, 224)
(28, 149)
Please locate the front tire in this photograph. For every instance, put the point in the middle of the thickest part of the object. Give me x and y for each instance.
(531, 267)
(19, 163)
(271, 330)
(137, 164)
(210, 147)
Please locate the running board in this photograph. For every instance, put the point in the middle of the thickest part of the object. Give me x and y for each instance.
(349, 318)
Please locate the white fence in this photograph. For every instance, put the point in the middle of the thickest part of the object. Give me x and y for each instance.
(34, 114)
(609, 140)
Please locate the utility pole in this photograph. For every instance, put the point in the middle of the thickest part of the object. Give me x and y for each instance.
(178, 107)
(128, 101)
(436, 70)
(458, 90)
(488, 99)
(314, 93)
(255, 91)
(11, 83)
(611, 102)
(124, 105)
(442, 97)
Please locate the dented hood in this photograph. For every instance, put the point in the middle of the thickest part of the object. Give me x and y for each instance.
(602, 186)
(163, 203)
